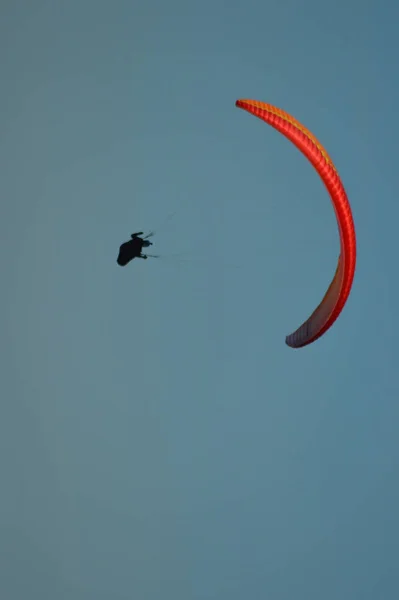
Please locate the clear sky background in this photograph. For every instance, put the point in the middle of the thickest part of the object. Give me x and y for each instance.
(158, 439)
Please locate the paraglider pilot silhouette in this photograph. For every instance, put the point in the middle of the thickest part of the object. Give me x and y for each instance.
(132, 249)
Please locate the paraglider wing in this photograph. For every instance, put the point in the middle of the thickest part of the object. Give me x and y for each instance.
(337, 294)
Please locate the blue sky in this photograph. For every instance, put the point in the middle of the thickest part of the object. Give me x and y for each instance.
(158, 438)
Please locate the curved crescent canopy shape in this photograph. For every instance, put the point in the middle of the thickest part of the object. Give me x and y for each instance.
(337, 294)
